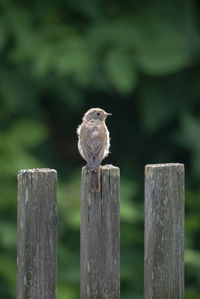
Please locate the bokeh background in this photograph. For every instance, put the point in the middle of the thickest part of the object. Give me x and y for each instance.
(139, 60)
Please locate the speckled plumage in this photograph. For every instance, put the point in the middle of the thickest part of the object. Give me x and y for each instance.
(94, 140)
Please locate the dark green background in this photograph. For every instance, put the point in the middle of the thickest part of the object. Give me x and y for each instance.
(139, 60)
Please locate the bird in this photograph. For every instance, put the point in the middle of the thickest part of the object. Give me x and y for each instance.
(94, 142)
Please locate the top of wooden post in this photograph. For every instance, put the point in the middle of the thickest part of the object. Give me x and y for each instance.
(36, 170)
(164, 165)
(104, 167)
(151, 169)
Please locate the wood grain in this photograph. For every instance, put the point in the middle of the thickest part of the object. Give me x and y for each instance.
(37, 234)
(164, 232)
(100, 236)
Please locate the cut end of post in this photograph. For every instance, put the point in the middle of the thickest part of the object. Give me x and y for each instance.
(106, 171)
(36, 170)
(150, 168)
(109, 167)
(164, 165)
(103, 167)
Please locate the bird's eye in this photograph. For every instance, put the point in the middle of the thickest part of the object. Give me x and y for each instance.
(98, 113)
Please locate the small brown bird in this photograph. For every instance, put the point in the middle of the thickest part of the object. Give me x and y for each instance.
(94, 142)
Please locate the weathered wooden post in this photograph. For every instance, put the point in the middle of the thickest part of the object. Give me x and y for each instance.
(164, 232)
(37, 234)
(100, 236)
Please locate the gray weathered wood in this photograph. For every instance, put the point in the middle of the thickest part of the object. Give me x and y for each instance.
(164, 232)
(100, 236)
(37, 234)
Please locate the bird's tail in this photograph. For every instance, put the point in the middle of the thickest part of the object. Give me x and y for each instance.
(95, 180)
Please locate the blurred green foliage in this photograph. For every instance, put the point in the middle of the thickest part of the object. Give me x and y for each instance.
(138, 60)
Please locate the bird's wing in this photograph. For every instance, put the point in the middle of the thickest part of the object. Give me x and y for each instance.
(93, 138)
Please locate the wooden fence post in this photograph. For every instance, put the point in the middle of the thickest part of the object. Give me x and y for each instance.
(37, 234)
(100, 236)
(164, 232)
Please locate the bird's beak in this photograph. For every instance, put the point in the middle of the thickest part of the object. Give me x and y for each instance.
(107, 114)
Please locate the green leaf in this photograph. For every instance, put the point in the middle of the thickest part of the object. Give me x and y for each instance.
(8, 236)
(120, 71)
(29, 133)
(66, 291)
(163, 54)
(129, 211)
(8, 270)
(192, 257)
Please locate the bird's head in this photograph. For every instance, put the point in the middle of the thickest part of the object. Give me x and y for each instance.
(95, 113)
